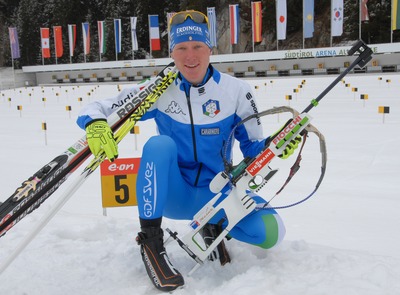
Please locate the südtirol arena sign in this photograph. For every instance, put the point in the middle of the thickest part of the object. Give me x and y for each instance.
(301, 53)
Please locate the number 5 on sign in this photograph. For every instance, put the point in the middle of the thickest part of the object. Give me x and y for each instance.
(118, 182)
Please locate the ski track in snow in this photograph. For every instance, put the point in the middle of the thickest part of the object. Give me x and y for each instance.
(344, 240)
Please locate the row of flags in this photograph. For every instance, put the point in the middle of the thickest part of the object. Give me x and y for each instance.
(72, 35)
(337, 16)
(102, 35)
(337, 13)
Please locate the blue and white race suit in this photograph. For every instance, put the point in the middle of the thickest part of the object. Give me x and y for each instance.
(194, 124)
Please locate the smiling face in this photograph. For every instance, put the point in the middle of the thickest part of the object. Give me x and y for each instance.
(192, 59)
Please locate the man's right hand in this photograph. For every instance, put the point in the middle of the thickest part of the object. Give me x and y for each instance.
(100, 137)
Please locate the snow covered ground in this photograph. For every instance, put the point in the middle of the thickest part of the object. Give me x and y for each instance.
(344, 240)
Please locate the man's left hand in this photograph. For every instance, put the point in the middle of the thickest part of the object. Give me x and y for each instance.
(290, 148)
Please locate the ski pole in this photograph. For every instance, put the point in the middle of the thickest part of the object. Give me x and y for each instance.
(364, 57)
(233, 174)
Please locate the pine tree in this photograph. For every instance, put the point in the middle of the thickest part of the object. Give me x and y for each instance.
(29, 31)
(376, 30)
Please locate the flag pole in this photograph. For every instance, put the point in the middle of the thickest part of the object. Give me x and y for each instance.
(115, 41)
(69, 43)
(303, 23)
(168, 28)
(84, 41)
(41, 41)
(331, 24)
(359, 19)
(252, 24)
(391, 22)
(70, 51)
(55, 43)
(151, 54)
(12, 61)
(133, 36)
(100, 29)
(13, 70)
(133, 51)
(276, 20)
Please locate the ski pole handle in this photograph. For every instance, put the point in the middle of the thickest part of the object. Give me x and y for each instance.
(364, 57)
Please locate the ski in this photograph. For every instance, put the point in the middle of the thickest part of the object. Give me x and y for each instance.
(42, 184)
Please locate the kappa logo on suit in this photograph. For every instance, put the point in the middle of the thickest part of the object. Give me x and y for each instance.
(174, 108)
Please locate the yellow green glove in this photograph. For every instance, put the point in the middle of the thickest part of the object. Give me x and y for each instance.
(100, 137)
(293, 144)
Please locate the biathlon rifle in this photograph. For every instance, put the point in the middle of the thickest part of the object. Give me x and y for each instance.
(252, 173)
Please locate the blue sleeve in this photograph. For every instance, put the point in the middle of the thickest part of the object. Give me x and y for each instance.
(82, 121)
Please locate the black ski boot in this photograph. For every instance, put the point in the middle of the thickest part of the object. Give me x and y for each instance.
(209, 233)
(160, 270)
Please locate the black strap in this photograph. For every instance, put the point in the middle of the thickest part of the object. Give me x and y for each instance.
(296, 165)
